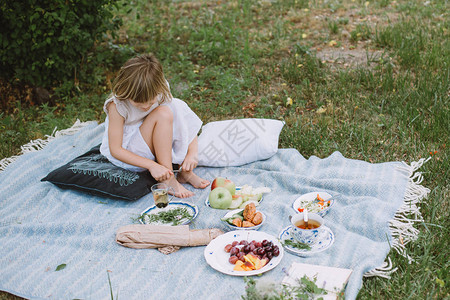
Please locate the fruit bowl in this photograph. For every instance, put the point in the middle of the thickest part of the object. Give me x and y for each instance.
(233, 227)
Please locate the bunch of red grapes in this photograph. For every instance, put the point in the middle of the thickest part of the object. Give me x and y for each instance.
(263, 250)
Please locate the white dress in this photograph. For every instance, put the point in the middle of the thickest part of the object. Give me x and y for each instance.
(186, 125)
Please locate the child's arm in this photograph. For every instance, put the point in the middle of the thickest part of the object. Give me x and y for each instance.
(115, 136)
(191, 160)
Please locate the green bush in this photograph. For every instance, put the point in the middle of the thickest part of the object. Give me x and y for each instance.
(44, 42)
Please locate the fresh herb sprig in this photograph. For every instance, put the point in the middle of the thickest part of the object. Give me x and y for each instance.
(297, 245)
(173, 216)
(306, 288)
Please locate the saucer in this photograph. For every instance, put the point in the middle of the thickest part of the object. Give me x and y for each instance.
(316, 247)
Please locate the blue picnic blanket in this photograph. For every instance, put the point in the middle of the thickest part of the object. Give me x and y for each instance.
(43, 226)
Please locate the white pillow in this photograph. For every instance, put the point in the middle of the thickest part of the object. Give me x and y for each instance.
(238, 142)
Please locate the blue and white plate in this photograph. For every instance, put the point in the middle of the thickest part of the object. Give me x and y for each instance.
(325, 241)
(232, 227)
(191, 208)
(217, 258)
(237, 189)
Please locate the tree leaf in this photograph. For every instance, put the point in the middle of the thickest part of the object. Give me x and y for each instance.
(60, 267)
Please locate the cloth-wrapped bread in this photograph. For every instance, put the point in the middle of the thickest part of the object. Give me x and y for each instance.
(142, 236)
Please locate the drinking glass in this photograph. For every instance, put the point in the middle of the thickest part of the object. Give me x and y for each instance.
(161, 195)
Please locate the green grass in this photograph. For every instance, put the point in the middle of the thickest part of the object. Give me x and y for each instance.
(234, 59)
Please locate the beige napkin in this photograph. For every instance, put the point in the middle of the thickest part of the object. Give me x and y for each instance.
(167, 239)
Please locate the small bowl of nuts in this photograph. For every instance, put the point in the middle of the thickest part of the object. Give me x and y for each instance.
(244, 219)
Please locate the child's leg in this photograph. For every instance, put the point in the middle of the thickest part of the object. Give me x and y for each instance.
(157, 131)
(191, 161)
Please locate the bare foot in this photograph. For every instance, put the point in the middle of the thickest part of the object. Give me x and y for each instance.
(178, 190)
(193, 179)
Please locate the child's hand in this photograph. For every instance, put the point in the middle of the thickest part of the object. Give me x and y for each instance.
(161, 173)
(189, 163)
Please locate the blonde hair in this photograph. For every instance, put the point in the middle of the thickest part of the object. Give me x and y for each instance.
(141, 79)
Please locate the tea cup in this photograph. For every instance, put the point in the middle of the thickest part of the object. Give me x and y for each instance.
(308, 235)
(161, 195)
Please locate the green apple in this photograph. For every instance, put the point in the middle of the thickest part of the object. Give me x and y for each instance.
(220, 198)
(224, 182)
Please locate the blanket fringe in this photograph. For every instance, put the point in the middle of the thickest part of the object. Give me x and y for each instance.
(402, 225)
(39, 144)
(384, 271)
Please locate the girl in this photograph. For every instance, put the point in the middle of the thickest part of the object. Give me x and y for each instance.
(147, 129)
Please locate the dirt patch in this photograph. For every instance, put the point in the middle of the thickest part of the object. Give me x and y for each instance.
(347, 58)
(343, 38)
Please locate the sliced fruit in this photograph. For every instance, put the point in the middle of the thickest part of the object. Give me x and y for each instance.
(264, 262)
(236, 202)
(252, 258)
(258, 264)
(248, 266)
(238, 266)
(255, 261)
(249, 262)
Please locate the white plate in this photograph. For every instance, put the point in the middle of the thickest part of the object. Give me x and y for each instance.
(323, 244)
(309, 197)
(237, 189)
(192, 209)
(217, 258)
(232, 227)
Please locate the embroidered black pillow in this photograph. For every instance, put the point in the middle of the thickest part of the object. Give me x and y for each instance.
(94, 174)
